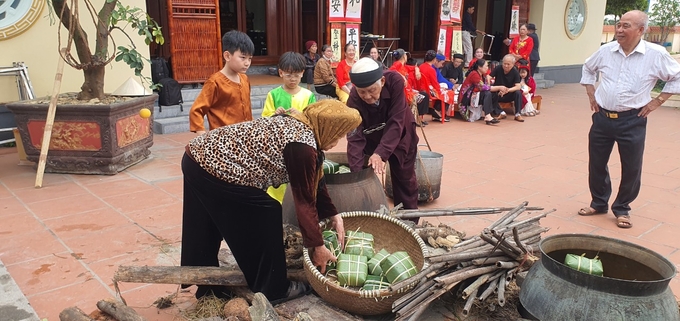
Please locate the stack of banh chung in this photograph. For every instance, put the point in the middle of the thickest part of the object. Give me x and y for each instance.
(331, 167)
(359, 265)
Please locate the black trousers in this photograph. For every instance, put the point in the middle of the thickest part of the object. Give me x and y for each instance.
(328, 90)
(515, 96)
(424, 104)
(628, 131)
(534, 67)
(437, 109)
(486, 100)
(247, 218)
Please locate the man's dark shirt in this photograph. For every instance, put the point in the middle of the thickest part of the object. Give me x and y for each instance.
(534, 56)
(468, 25)
(451, 72)
(502, 79)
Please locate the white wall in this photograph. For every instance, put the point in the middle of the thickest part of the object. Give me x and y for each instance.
(556, 48)
(38, 48)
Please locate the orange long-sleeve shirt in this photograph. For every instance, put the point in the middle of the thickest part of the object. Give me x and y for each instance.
(223, 101)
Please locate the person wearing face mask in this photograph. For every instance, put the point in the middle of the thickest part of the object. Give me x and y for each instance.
(226, 174)
(387, 132)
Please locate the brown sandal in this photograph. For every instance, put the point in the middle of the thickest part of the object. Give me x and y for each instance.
(588, 211)
(623, 221)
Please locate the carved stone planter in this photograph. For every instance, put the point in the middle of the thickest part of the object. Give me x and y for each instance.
(88, 139)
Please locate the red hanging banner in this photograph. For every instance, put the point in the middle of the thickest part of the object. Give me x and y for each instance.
(336, 10)
(353, 11)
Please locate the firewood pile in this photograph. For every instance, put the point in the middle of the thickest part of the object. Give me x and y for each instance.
(485, 263)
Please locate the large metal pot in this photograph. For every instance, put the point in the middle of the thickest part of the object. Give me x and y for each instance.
(634, 285)
(356, 191)
(428, 174)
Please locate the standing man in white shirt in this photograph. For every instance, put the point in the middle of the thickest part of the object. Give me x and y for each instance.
(629, 70)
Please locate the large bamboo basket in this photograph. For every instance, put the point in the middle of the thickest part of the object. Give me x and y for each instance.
(389, 233)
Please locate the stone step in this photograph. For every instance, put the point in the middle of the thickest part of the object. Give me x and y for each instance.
(539, 76)
(545, 83)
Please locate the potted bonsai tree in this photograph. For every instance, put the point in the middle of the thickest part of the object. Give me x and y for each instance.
(94, 133)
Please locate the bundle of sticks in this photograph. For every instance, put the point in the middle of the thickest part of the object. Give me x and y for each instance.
(493, 257)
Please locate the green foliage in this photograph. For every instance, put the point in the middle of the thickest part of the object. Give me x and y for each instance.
(659, 86)
(145, 27)
(619, 7)
(666, 15)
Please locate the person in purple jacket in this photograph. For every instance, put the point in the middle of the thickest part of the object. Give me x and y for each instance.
(388, 130)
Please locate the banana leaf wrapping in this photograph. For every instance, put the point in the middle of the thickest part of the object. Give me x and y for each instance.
(398, 267)
(374, 282)
(352, 270)
(359, 243)
(330, 167)
(330, 240)
(583, 264)
(374, 263)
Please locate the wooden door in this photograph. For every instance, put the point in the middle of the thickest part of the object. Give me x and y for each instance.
(195, 40)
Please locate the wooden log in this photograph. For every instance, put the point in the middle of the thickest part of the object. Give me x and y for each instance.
(490, 260)
(199, 275)
(472, 288)
(73, 314)
(462, 275)
(118, 310)
(501, 291)
(510, 213)
(420, 275)
(468, 304)
(484, 251)
(506, 265)
(402, 214)
(493, 284)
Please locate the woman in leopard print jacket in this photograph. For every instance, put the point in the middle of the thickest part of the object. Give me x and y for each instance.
(226, 174)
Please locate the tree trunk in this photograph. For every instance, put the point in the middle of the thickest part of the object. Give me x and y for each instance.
(93, 86)
(199, 275)
(119, 310)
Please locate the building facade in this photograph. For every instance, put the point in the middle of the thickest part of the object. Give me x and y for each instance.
(193, 29)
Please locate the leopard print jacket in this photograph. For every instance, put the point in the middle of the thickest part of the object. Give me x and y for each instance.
(250, 153)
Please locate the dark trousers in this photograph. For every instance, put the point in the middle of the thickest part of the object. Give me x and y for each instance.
(328, 90)
(629, 132)
(404, 181)
(486, 100)
(247, 218)
(424, 104)
(534, 67)
(515, 96)
(437, 109)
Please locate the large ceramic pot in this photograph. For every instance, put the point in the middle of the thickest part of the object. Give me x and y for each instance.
(356, 191)
(634, 285)
(87, 139)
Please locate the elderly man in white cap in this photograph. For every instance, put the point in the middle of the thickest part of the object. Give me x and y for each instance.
(388, 130)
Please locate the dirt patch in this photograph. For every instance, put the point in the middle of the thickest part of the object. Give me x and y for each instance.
(72, 99)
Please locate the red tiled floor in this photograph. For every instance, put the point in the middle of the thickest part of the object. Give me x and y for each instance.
(96, 223)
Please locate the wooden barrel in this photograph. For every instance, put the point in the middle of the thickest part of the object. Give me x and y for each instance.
(634, 285)
(356, 191)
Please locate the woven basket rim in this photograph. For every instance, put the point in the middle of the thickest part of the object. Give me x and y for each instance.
(384, 293)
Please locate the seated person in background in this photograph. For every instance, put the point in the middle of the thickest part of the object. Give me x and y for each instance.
(479, 54)
(439, 64)
(420, 99)
(225, 97)
(342, 72)
(289, 98)
(376, 57)
(528, 91)
(454, 71)
(324, 77)
(507, 87)
(477, 82)
(430, 84)
(311, 58)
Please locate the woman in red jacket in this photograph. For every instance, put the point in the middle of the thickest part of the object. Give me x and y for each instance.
(413, 96)
(476, 83)
(429, 84)
(342, 72)
(521, 46)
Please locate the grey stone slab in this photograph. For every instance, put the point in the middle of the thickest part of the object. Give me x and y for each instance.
(13, 304)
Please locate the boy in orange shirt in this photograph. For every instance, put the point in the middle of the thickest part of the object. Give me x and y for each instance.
(225, 97)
